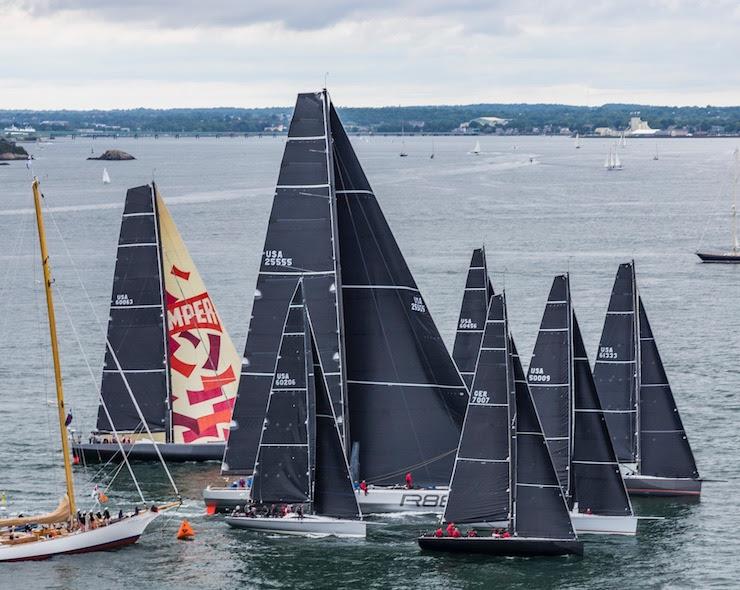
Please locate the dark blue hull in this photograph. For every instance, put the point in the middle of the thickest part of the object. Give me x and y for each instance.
(511, 547)
(171, 452)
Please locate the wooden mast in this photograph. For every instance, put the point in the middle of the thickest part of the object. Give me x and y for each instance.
(54, 349)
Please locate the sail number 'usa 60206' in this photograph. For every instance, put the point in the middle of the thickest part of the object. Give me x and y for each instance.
(284, 380)
(537, 374)
(276, 258)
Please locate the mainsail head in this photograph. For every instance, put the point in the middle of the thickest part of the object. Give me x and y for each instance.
(471, 323)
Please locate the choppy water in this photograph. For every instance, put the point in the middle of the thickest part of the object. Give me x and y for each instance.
(561, 212)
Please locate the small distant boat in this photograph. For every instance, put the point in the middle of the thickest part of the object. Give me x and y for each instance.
(655, 155)
(106, 176)
(431, 157)
(623, 140)
(578, 141)
(300, 458)
(403, 153)
(733, 256)
(641, 413)
(612, 160)
(476, 150)
(504, 475)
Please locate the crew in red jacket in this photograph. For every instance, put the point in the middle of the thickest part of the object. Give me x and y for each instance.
(363, 487)
(409, 481)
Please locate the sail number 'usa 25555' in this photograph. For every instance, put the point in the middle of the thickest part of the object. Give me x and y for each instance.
(276, 258)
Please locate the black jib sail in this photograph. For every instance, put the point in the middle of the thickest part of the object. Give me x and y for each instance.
(333, 492)
(480, 489)
(539, 504)
(300, 242)
(136, 329)
(664, 446)
(598, 486)
(283, 467)
(406, 398)
(616, 370)
(551, 380)
(470, 325)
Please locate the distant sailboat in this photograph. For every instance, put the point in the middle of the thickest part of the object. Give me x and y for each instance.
(623, 140)
(733, 256)
(431, 157)
(656, 156)
(476, 149)
(106, 176)
(504, 475)
(612, 160)
(578, 141)
(641, 413)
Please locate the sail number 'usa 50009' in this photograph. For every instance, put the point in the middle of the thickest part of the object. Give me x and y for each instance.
(538, 374)
(276, 258)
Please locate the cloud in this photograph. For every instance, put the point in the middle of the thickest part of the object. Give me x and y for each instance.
(260, 53)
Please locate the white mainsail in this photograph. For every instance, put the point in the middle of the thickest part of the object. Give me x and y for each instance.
(476, 149)
(106, 176)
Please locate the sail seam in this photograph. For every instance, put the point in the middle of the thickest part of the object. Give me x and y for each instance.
(137, 245)
(399, 384)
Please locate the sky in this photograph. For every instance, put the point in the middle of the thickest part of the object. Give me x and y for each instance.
(83, 54)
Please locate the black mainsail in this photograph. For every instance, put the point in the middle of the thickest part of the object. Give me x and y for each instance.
(633, 387)
(300, 242)
(550, 378)
(136, 325)
(471, 323)
(283, 466)
(617, 366)
(406, 398)
(664, 446)
(480, 488)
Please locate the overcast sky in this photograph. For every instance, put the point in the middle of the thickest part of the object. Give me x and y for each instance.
(82, 54)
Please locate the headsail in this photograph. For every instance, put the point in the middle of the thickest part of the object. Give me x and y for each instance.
(617, 366)
(406, 398)
(136, 329)
(283, 466)
(664, 446)
(597, 481)
(470, 325)
(550, 377)
(480, 489)
(301, 242)
(539, 506)
(204, 365)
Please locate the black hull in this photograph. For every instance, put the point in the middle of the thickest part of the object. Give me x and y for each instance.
(662, 486)
(171, 452)
(719, 257)
(512, 547)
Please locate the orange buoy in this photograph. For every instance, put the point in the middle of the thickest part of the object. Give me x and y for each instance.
(185, 532)
(102, 498)
(210, 509)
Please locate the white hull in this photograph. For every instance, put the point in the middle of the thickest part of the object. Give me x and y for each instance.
(225, 499)
(597, 524)
(117, 534)
(308, 526)
(379, 500)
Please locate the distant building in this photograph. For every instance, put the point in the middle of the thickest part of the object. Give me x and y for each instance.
(275, 129)
(640, 127)
(19, 132)
(606, 132)
(481, 122)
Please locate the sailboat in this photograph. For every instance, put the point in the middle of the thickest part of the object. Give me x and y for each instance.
(656, 156)
(472, 320)
(578, 141)
(641, 412)
(574, 423)
(732, 256)
(504, 474)
(171, 343)
(476, 149)
(622, 140)
(431, 156)
(106, 176)
(381, 352)
(612, 160)
(300, 457)
(26, 538)
(403, 153)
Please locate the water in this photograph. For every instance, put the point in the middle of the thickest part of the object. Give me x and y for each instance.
(562, 211)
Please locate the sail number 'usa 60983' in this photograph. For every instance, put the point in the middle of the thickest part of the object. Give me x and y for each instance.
(276, 258)
(537, 374)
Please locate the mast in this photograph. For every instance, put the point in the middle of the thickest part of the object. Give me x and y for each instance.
(54, 349)
(735, 243)
(636, 383)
